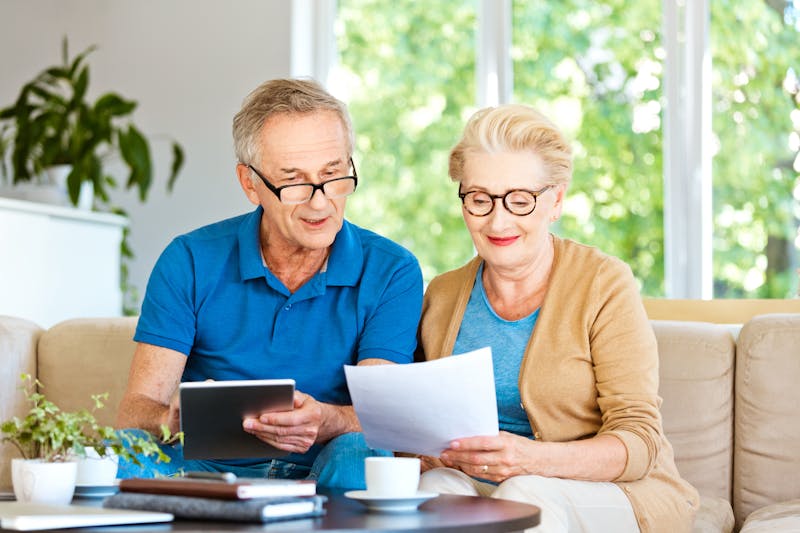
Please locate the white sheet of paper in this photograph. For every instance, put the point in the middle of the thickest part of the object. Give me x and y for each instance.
(421, 407)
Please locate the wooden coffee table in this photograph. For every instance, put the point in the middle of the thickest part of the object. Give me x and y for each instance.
(462, 514)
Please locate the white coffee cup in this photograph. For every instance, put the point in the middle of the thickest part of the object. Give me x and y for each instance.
(392, 477)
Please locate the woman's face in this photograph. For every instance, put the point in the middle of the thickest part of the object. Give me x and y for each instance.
(505, 240)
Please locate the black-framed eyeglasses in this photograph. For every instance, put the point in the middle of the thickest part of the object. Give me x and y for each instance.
(520, 202)
(300, 193)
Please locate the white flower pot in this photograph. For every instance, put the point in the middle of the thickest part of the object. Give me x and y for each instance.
(51, 189)
(36, 481)
(96, 471)
(57, 176)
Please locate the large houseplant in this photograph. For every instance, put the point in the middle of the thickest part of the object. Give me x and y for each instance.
(49, 436)
(52, 122)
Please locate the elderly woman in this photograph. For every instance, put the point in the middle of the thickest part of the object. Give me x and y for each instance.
(575, 358)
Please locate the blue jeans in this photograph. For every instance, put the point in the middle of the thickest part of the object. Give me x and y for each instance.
(339, 465)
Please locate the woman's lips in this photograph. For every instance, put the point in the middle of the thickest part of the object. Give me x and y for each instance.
(503, 241)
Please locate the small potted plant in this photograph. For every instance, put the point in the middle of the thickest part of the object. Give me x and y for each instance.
(52, 124)
(51, 441)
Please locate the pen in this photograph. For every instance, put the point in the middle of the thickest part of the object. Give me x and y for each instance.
(227, 477)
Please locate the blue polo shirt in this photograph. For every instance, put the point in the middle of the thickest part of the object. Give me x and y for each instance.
(211, 297)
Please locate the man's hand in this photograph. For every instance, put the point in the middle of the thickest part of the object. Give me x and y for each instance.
(310, 422)
(293, 431)
(429, 463)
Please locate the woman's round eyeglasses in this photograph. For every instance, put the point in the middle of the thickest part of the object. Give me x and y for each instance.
(520, 202)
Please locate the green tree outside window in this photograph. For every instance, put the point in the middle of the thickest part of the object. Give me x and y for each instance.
(595, 67)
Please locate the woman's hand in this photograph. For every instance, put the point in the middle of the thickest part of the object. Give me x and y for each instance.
(491, 458)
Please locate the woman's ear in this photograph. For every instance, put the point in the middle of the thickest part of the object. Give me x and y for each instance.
(560, 191)
(245, 176)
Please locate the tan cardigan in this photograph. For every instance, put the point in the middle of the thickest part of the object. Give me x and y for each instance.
(591, 366)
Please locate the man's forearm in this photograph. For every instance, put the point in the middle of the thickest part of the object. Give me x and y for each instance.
(138, 411)
(340, 419)
(337, 420)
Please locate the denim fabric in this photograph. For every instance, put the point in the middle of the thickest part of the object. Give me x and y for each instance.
(339, 465)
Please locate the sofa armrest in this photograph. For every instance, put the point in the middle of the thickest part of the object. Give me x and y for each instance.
(18, 340)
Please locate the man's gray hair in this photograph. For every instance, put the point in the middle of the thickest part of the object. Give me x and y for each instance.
(282, 96)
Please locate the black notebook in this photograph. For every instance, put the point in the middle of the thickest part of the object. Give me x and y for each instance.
(193, 508)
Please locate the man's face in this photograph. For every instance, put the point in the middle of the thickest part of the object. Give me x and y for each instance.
(301, 148)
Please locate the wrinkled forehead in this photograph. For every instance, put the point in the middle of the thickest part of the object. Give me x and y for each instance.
(300, 140)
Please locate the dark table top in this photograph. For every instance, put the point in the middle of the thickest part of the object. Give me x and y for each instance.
(446, 512)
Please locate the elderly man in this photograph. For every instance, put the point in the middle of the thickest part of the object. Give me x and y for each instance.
(290, 290)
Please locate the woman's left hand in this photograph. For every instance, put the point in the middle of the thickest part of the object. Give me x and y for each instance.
(491, 458)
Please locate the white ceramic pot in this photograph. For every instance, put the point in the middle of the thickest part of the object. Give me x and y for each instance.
(51, 188)
(36, 481)
(96, 471)
(57, 177)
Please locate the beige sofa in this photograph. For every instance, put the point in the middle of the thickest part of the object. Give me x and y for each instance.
(731, 402)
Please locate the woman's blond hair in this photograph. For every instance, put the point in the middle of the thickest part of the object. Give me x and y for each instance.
(514, 128)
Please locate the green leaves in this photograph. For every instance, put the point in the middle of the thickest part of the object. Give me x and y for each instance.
(597, 69)
(177, 162)
(52, 122)
(51, 434)
(136, 153)
(113, 105)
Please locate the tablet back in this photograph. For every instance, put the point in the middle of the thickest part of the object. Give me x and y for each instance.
(212, 414)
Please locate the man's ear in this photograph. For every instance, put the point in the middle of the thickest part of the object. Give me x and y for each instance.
(246, 181)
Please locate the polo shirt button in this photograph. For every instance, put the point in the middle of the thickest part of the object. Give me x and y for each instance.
(288, 306)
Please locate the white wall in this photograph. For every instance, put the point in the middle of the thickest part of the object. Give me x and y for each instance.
(189, 64)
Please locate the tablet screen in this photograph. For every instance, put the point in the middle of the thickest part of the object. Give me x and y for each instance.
(212, 413)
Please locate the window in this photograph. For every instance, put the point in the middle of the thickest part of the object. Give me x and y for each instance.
(756, 148)
(407, 71)
(595, 67)
(690, 203)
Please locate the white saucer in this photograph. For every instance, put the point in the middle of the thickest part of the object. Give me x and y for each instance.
(95, 491)
(382, 504)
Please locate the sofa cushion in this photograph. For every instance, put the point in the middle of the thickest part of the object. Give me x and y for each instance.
(696, 363)
(714, 516)
(767, 424)
(18, 340)
(81, 357)
(783, 516)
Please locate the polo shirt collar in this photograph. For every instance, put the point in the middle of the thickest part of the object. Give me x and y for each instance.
(347, 257)
(344, 263)
(251, 265)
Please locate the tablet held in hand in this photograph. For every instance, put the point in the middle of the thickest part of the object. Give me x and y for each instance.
(212, 413)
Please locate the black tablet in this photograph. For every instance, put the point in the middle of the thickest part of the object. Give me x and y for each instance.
(212, 414)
